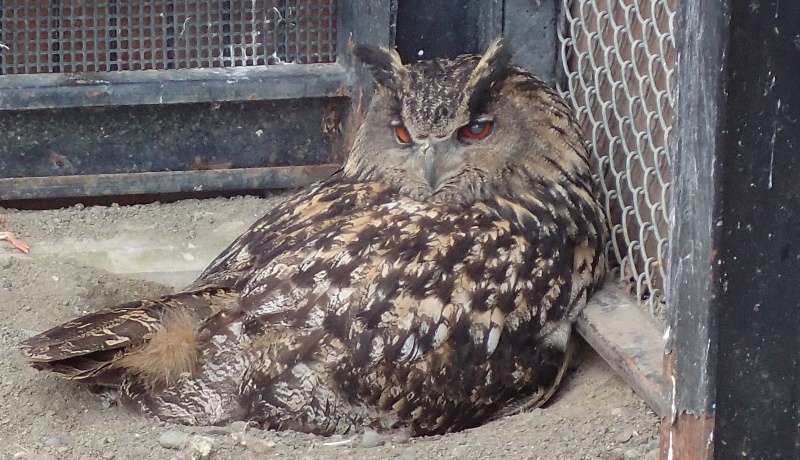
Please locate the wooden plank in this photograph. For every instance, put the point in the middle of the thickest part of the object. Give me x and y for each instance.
(287, 81)
(622, 333)
(163, 182)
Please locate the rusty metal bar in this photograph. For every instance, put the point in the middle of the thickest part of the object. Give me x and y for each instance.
(24, 188)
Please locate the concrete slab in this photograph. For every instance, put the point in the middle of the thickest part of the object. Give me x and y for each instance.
(141, 253)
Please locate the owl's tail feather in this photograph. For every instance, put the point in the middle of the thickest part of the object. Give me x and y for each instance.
(156, 339)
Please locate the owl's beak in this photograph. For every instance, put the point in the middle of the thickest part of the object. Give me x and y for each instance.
(430, 165)
(441, 162)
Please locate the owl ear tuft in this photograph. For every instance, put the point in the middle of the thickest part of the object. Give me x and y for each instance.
(494, 65)
(385, 64)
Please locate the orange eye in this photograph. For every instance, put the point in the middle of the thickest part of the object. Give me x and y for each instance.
(402, 134)
(476, 130)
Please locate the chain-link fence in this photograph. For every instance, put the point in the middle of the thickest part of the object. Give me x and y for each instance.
(111, 35)
(619, 59)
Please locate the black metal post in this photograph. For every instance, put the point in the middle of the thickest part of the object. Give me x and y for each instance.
(428, 29)
(734, 323)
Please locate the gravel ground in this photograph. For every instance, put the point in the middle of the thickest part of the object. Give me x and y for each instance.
(594, 416)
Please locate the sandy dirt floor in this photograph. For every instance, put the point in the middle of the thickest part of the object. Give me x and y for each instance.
(594, 416)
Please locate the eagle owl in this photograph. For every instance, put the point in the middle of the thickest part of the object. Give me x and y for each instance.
(429, 285)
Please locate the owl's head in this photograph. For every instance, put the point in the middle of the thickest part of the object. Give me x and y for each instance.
(458, 131)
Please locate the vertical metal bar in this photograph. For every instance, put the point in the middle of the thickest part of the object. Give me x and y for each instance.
(202, 31)
(54, 33)
(184, 32)
(5, 48)
(238, 32)
(281, 35)
(215, 21)
(153, 36)
(190, 29)
(693, 276)
(291, 24)
(226, 33)
(759, 318)
(169, 34)
(95, 17)
(291, 32)
(112, 36)
(144, 36)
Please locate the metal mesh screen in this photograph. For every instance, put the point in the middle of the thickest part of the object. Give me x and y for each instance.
(110, 35)
(619, 59)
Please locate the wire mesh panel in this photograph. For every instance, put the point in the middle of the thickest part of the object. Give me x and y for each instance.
(619, 58)
(110, 35)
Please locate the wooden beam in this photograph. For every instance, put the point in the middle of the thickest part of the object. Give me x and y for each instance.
(625, 336)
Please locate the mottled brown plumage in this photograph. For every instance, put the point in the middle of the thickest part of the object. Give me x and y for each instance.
(431, 284)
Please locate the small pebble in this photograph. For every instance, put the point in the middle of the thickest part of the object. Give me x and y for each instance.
(54, 442)
(616, 412)
(172, 439)
(623, 436)
(198, 448)
(371, 439)
(405, 457)
(109, 455)
(631, 453)
(239, 425)
(652, 455)
(401, 437)
(537, 412)
(258, 445)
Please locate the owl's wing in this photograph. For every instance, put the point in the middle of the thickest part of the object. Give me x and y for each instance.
(284, 228)
(419, 296)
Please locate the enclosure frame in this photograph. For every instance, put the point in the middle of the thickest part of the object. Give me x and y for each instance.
(358, 21)
(727, 383)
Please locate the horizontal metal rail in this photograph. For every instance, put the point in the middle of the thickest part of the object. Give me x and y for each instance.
(287, 81)
(23, 188)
